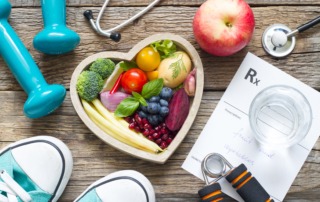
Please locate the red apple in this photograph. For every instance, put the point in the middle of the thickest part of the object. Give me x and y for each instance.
(223, 27)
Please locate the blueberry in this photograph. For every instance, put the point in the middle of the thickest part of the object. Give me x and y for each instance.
(153, 108)
(164, 102)
(144, 108)
(153, 119)
(164, 111)
(142, 114)
(154, 99)
(166, 93)
(161, 119)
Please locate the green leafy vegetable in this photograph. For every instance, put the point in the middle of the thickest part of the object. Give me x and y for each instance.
(164, 47)
(139, 98)
(125, 65)
(127, 107)
(152, 88)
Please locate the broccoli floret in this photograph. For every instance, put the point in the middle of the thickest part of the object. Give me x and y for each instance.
(104, 67)
(89, 85)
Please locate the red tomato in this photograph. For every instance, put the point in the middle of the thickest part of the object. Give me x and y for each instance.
(133, 80)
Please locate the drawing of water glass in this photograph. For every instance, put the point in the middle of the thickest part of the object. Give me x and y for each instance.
(280, 116)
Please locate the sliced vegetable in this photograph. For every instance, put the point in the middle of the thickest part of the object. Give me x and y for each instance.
(111, 101)
(116, 85)
(109, 83)
(178, 110)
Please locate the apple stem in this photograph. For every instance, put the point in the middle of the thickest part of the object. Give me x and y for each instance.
(228, 24)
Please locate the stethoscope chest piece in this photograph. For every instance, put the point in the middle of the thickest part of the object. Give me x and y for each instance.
(276, 42)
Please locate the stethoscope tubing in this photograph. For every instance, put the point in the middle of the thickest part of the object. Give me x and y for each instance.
(108, 33)
(305, 26)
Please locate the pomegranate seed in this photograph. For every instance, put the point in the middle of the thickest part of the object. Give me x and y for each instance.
(138, 119)
(152, 131)
(158, 141)
(164, 131)
(146, 132)
(157, 128)
(165, 137)
(147, 126)
(127, 119)
(145, 121)
(164, 125)
(169, 140)
(156, 135)
(150, 137)
(132, 126)
(163, 145)
(137, 128)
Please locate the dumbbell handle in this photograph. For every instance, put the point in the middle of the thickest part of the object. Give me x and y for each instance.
(54, 12)
(42, 97)
(19, 60)
(56, 37)
(213, 193)
(247, 186)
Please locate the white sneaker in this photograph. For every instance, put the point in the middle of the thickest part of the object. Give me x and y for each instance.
(34, 169)
(121, 186)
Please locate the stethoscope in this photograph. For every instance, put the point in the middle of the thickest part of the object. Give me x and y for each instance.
(279, 41)
(111, 33)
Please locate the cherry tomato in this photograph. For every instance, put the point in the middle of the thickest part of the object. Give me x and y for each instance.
(133, 80)
(148, 59)
(152, 75)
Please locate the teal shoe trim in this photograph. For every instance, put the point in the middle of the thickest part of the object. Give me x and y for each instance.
(91, 196)
(8, 163)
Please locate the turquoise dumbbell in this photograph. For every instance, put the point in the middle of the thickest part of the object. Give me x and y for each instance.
(42, 97)
(56, 37)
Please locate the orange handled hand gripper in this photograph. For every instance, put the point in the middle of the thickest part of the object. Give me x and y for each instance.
(216, 166)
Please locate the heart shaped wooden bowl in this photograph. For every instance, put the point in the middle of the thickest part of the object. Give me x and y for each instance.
(118, 56)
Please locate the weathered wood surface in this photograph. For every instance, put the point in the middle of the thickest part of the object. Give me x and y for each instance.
(77, 3)
(94, 159)
(178, 20)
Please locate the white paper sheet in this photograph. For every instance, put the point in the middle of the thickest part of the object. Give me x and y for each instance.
(228, 131)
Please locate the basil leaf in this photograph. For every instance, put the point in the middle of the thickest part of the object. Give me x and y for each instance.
(127, 107)
(152, 88)
(139, 98)
(125, 65)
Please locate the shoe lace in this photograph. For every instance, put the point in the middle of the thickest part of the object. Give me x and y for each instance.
(12, 188)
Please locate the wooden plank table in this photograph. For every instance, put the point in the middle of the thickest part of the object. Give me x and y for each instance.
(93, 158)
